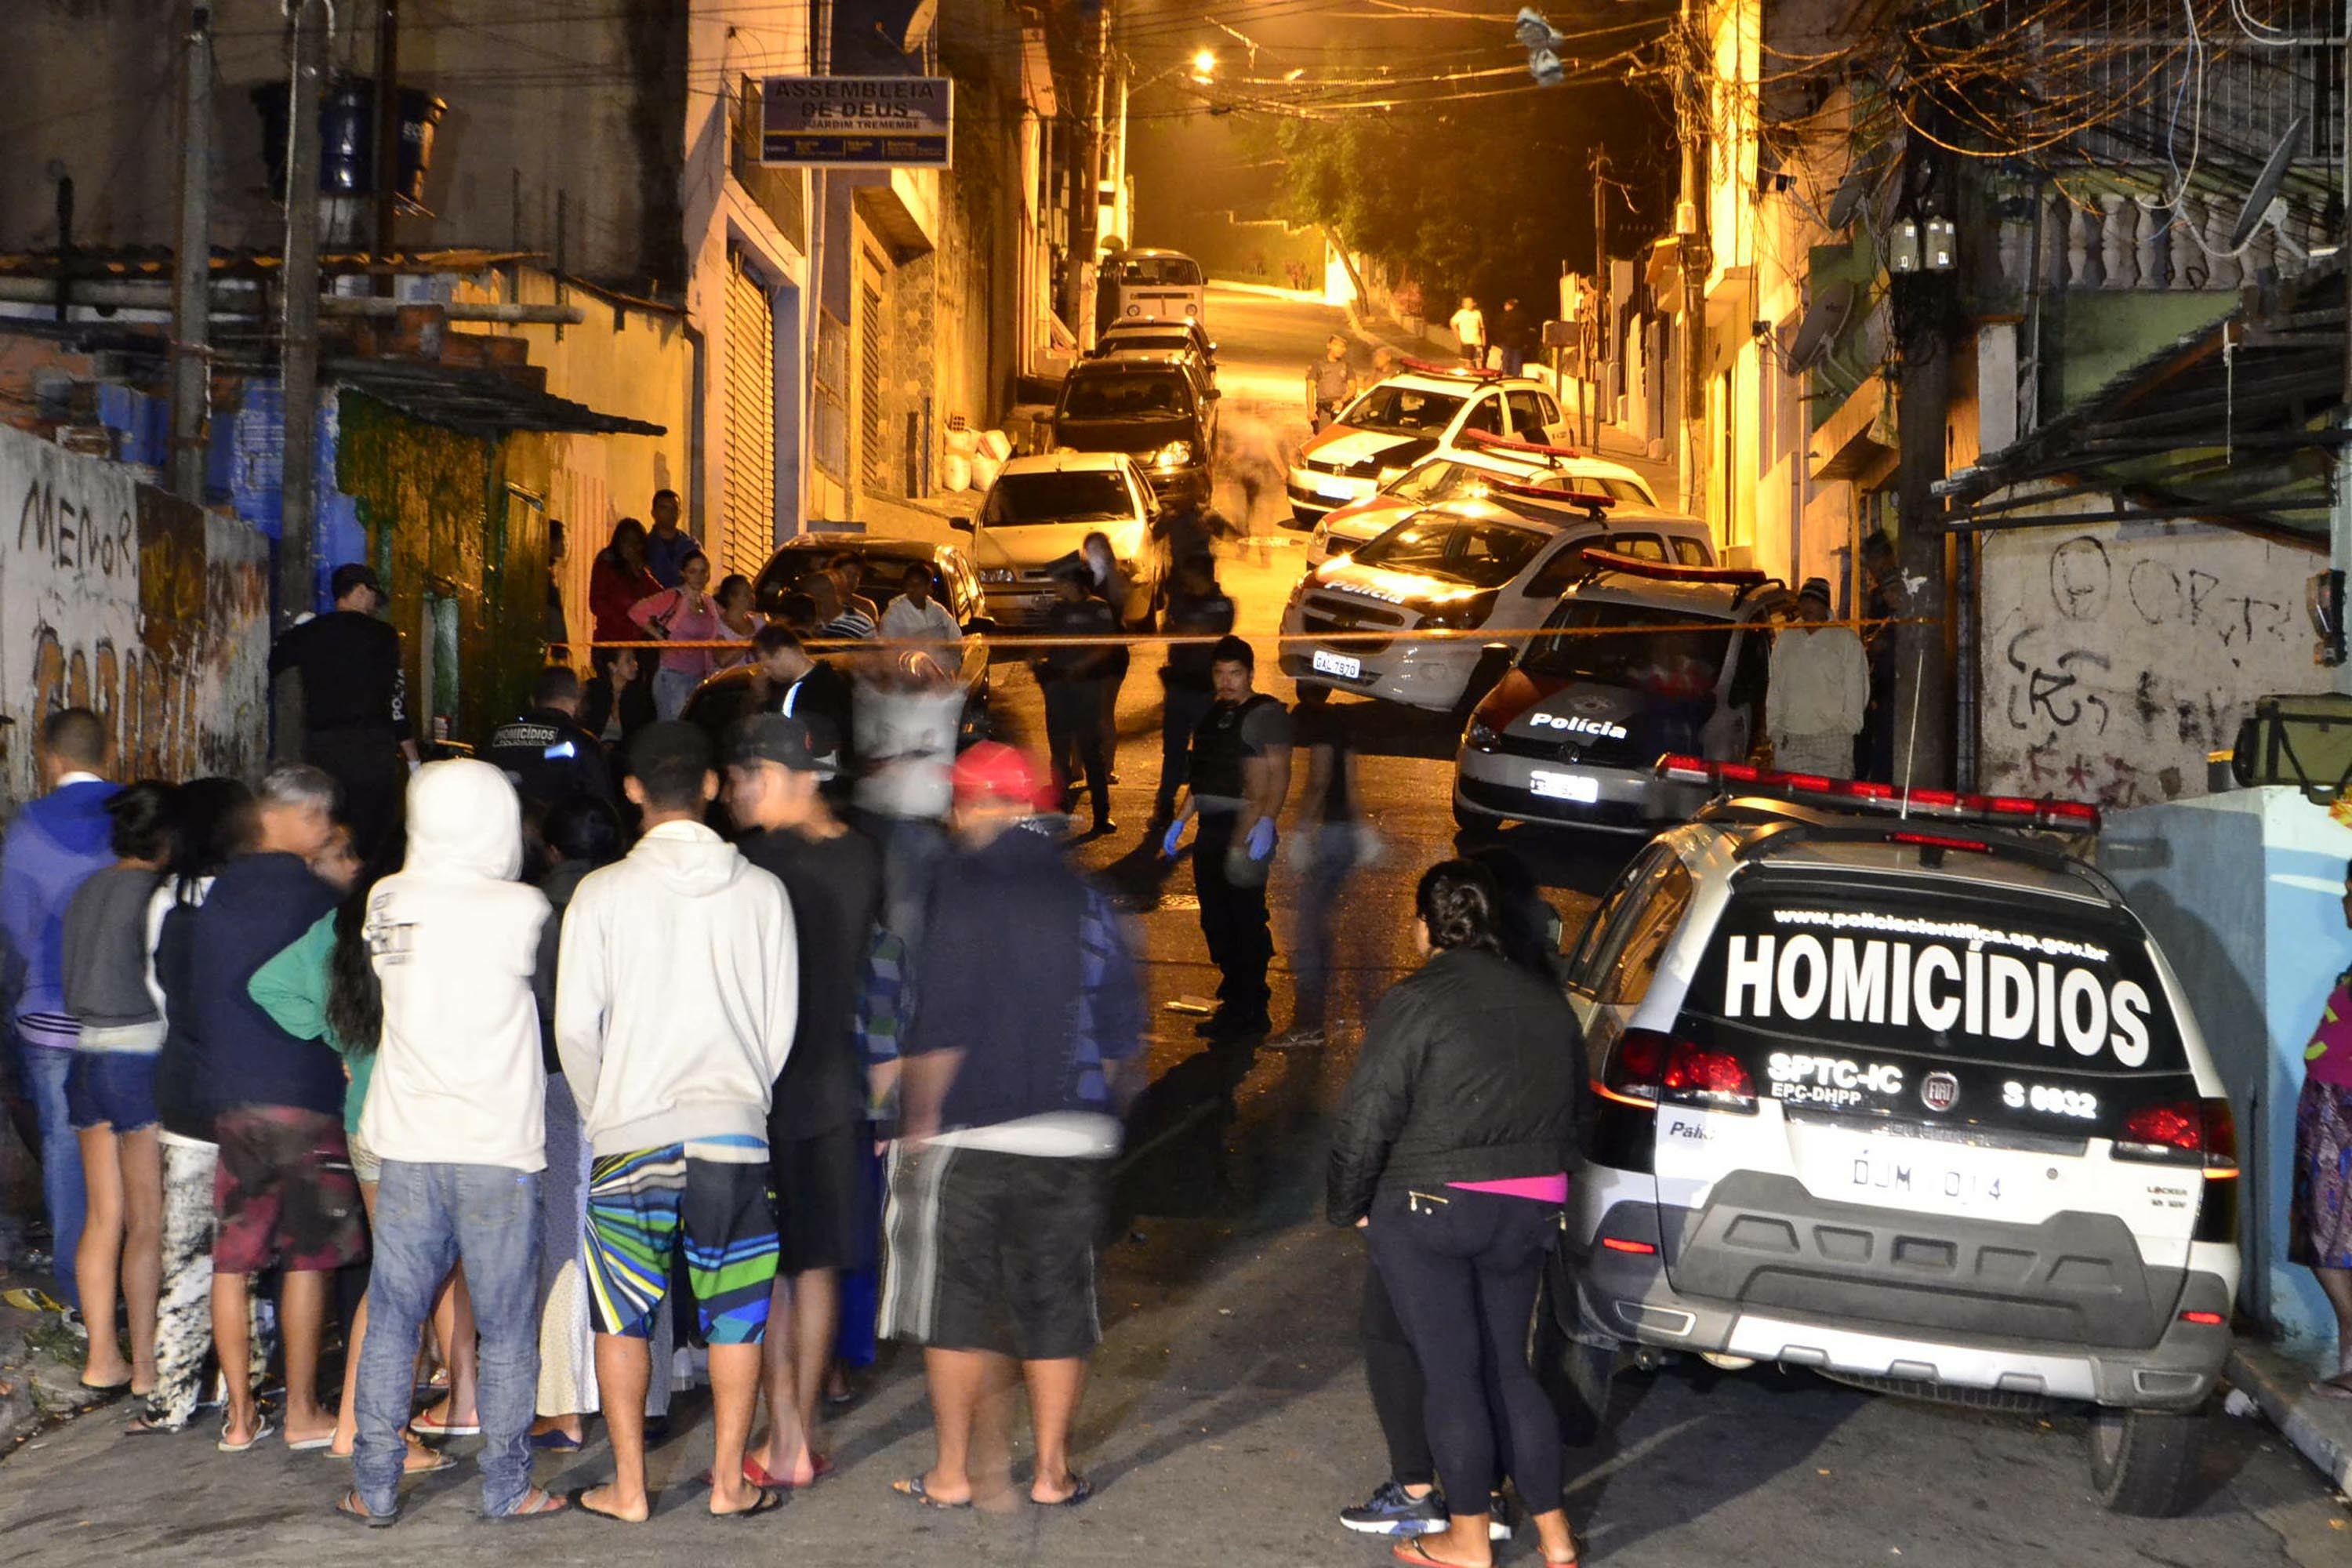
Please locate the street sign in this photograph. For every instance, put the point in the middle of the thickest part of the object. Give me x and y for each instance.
(857, 121)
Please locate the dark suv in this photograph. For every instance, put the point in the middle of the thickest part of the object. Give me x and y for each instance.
(1152, 407)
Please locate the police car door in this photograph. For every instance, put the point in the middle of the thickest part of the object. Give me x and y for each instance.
(1608, 979)
(1958, 1078)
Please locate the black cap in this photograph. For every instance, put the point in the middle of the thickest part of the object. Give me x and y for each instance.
(672, 745)
(772, 738)
(354, 574)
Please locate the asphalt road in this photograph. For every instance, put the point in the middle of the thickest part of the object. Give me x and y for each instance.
(1226, 1419)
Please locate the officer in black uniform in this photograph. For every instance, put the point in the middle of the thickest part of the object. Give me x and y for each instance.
(1241, 771)
(1072, 679)
(546, 752)
(355, 721)
(1197, 608)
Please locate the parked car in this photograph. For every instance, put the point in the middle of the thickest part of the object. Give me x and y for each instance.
(1152, 409)
(1395, 423)
(1488, 572)
(955, 583)
(1040, 509)
(1478, 471)
(1639, 658)
(1158, 285)
(1155, 337)
(1894, 1086)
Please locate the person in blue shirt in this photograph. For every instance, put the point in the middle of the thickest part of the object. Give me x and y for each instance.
(56, 843)
(669, 546)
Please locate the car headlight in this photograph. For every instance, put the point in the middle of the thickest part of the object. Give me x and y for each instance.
(996, 575)
(1480, 736)
(1174, 455)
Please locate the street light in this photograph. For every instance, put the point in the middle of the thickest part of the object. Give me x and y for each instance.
(1205, 66)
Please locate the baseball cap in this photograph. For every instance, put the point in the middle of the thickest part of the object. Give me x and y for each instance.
(772, 738)
(994, 771)
(354, 574)
(1815, 588)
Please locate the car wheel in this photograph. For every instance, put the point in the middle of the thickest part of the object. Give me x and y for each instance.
(2143, 1461)
(1577, 1377)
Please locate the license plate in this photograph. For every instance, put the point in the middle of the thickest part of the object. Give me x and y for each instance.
(1338, 664)
(1335, 489)
(1918, 1176)
(1581, 787)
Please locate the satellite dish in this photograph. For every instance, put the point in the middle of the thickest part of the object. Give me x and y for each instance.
(2264, 196)
(1848, 199)
(1825, 320)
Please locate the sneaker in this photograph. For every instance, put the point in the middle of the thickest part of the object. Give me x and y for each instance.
(1299, 1038)
(1498, 1517)
(1390, 1512)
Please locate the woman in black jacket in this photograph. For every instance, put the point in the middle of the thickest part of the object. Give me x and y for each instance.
(1453, 1147)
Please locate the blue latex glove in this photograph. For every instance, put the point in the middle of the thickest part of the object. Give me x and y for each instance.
(1171, 840)
(1261, 838)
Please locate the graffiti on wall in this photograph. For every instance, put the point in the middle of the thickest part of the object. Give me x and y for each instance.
(2115, 658)
(125, 600)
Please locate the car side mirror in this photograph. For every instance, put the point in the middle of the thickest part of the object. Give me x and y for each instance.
(963, 524)
(1212, 395)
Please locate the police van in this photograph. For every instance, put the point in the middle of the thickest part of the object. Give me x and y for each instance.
(1892, 1086)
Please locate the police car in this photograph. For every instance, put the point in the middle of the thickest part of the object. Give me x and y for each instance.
(1641, 657)
(1395, 423)
(1894, 1087)
(1478, 471)
(1480, 573)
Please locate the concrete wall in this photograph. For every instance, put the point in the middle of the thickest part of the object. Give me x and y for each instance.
(121, 599)
(579, 110)
(2115, 656)
(2242, 890)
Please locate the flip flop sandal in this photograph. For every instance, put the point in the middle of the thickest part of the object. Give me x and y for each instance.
(147, 1424)
(912, 1486)
(263, 1428)
(1416, 1553)
(558, 1441)
(767, 1502)
(350, 1507)
(578, 1499)
(2336, 1387)
(425, 1428)
(310, 1445)
(547, 1506)
(1081, 1489)
(31, 1299)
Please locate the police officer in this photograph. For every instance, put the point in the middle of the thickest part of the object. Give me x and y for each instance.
(546, 752)
(1330, 382)
(1072, 679)
(355, 721)
(1197, 608)
(1240, 775)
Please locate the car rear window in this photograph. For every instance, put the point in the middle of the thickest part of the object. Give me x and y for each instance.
(1626, 644)
(2009, 979)
(1130, 395)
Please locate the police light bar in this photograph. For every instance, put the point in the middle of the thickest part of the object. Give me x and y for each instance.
(1941, 805)
(1591, 500)
(1504, 443)
(1673, 571)
(1466, 373)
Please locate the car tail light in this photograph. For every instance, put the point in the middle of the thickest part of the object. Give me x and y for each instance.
(1636, 1067)
(1717, 1080)
(2204, 1319)
(2203, 1128)
(1624, 1243)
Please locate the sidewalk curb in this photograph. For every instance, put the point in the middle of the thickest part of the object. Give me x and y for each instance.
(2320, 1429)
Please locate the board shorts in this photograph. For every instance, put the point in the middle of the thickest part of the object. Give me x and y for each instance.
(285, 1192)
(643, 1205)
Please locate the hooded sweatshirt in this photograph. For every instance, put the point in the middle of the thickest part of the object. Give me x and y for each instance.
(455, 940)
(676, 995)
(55, 844)
(258, 906)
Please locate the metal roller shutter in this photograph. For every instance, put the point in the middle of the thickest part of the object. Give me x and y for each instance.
(747, 526)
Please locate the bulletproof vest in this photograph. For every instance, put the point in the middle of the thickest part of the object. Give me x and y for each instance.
(1218, 748)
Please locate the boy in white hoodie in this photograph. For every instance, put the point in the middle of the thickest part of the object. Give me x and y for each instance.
(676, 995)
(456, 1112)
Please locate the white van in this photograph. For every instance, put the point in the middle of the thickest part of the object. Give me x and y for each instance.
(1158, 285)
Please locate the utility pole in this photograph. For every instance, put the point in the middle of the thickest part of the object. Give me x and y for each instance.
(1927, 327)
(2340, 516)
(1691, 226)
(299, 339)
(191, 261)
(1596, 364)
(1085, 230)
(387, 135)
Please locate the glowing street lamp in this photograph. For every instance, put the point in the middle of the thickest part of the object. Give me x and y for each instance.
(1205, 66)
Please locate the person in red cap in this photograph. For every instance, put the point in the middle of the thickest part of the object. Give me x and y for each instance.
(1008, 1126)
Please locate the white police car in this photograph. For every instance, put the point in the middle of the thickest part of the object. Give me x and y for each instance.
(1892, 1087)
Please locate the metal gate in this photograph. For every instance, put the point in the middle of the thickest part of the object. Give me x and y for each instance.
(747, 529)
(873, 455)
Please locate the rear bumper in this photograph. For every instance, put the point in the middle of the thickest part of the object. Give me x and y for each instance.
(1867, 1321)
(1431, 676)
(1500, 785)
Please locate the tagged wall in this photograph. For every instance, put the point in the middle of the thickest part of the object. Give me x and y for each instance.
(121, 599)
(2115, 656)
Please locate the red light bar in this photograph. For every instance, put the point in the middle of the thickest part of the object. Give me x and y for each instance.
(1673, 571)
(2204, 1319)
(1468, 372)
(1504, 443)
(1591, 498)
(1940, 841)
(1999, 810)
(1620, 1244)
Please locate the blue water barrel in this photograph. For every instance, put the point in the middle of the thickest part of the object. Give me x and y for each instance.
(347, 139)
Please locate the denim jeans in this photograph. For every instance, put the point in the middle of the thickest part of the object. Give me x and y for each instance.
(62, 1192)
(427, 1218)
